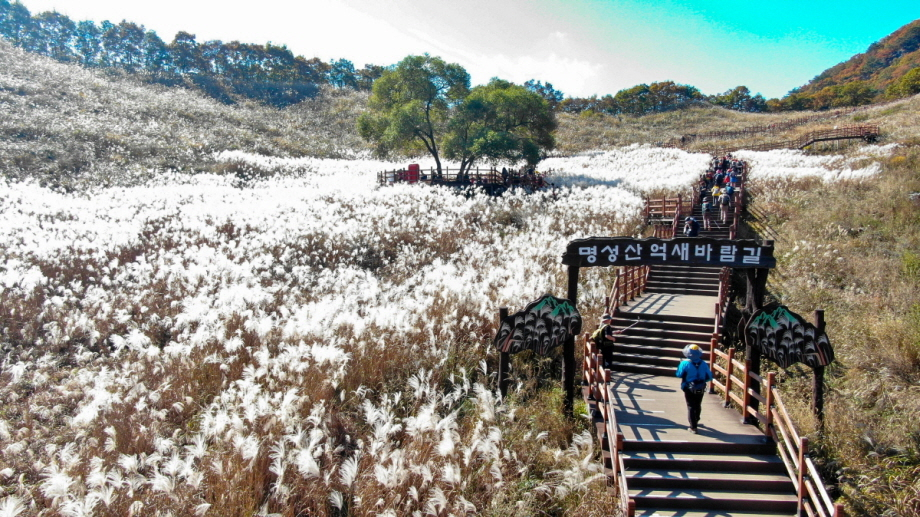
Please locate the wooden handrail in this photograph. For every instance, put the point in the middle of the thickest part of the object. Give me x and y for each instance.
(475, 176)
(629, 282)
(598, 381)
(759, 129)
(812, 496)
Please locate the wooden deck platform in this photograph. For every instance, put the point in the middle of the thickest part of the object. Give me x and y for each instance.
(652, 408)
(671, 304)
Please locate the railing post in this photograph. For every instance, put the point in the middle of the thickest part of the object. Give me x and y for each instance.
(771, 380)
(729, 371)
(839, 511)
(817, 404)
(713, 343)
(803, 450)
(746, 398)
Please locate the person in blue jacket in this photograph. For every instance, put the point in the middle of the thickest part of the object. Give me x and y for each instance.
(695, 376)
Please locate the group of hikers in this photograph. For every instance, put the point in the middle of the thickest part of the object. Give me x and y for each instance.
(527, 176)
(693, 371)
(717, 188)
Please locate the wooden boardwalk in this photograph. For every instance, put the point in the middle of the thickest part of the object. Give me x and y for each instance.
(652, 408)
(653, 463)
(670, 304)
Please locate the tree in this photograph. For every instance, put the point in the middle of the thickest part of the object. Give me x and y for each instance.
(88, 43)
(426, 104)
(740, 99)
(411, 105)
(854, 93)
(552, 96)
(56, 34)
(16, 23)
(907, 85)
(367, 76)
(342, 74)
(186, 54)
(500, 121)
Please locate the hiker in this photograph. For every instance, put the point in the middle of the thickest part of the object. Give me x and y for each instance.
(691, 227)
(707, 209)
(695, 375)
(725, 201)
(603, 336)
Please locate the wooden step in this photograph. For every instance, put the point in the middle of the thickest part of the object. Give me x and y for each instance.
(765, 447)
(762, 463)
(708, 480)
(640, 368)
(666, 318)
(679, 279)
(705, 513)
(643, 359)
(686, 271)
(676, 290)
(636, 348)
(623, 322)
(669, 334)
(714, 500)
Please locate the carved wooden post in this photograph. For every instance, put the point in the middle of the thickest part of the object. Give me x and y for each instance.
(568, 351)
(817, 402)
(503, 358)
(756, 289)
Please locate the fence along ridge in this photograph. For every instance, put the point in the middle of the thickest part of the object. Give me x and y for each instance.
(865, 132)
(765, 128)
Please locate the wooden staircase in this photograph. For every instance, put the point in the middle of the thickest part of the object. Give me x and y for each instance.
(729, 468)
(654, 465)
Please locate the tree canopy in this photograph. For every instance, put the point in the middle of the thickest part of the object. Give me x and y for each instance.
(268, 73)
(426, 105)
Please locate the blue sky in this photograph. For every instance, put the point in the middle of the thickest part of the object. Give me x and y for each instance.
(582, 47)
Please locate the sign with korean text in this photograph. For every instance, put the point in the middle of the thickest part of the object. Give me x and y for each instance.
(629, 251)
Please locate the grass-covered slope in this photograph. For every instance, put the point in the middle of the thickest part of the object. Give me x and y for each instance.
(64, 125)
(852, 247)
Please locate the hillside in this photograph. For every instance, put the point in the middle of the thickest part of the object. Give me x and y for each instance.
(305, 343)
(64, 124)
(883, 63)
(875, 75)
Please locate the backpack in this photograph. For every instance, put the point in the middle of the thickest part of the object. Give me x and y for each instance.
(725, 199)
(697, 385)
(599, 337)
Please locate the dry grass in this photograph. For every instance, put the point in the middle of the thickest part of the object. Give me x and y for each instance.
(851, 248)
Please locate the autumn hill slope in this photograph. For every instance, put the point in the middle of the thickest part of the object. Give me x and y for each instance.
(890, 68)
(66, 125)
